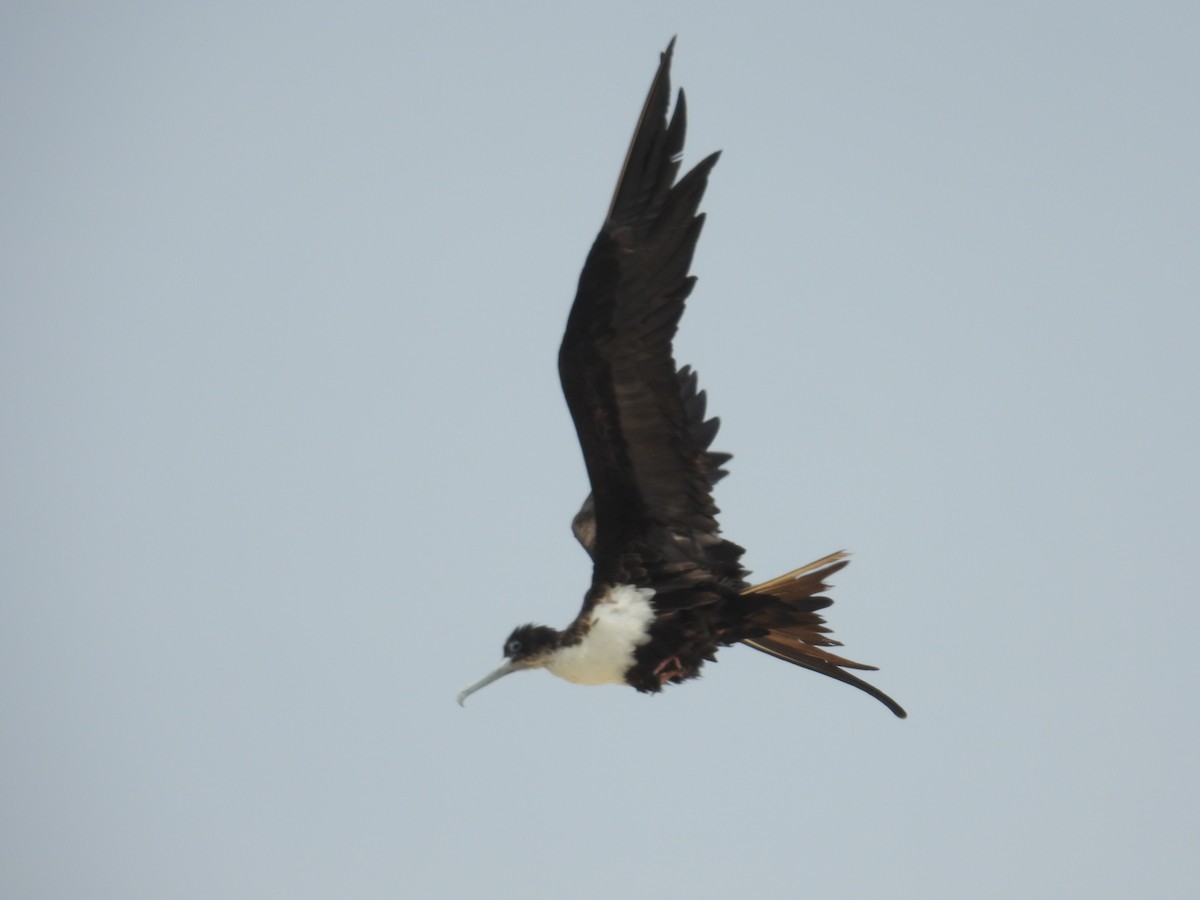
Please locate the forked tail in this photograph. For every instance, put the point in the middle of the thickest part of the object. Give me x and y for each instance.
(796, 632)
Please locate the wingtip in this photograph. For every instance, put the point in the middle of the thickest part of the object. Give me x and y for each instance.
(653, 110)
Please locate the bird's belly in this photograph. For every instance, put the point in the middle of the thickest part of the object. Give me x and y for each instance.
(619, 624)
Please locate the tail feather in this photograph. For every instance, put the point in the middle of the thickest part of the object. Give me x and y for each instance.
(782, 642)
(804, 582)
(795, 632)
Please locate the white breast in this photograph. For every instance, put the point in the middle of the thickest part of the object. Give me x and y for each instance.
(619, 624)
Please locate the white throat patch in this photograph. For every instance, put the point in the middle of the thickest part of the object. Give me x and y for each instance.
(619, 624)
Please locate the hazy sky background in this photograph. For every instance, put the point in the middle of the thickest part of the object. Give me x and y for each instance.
(285, 456)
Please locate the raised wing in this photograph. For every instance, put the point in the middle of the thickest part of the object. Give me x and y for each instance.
(649, 468)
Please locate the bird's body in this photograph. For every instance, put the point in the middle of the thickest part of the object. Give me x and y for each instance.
(667, 589)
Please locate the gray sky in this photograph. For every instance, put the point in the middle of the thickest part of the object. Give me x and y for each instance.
(286, 459)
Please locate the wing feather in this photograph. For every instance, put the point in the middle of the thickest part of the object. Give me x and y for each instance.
(702, 431)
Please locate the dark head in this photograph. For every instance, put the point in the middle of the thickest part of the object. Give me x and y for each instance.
(529, 642)
(528, 647)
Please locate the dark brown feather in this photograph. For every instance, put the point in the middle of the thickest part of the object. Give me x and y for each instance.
(702, 432)
(801, 641)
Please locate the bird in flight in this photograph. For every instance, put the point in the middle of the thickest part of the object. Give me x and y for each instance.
(667, 589)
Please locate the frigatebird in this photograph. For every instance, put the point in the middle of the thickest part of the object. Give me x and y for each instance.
(667, 589)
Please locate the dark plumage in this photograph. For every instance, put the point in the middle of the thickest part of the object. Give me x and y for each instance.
(667, 590)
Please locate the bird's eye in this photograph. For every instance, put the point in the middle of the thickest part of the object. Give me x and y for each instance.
(512, 648)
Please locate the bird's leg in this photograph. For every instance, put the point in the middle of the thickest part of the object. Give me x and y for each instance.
(664, 673)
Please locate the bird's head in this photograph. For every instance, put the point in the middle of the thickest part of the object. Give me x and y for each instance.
(528, 647)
